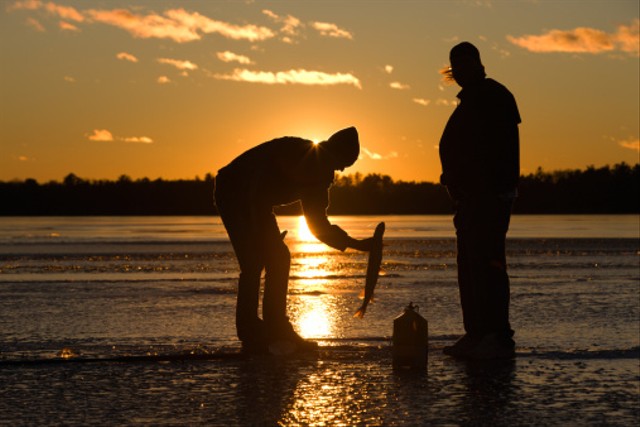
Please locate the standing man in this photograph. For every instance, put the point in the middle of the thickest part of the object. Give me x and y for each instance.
(278, 172)
(479, 152)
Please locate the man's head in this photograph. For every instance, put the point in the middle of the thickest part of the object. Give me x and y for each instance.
(343, 147)
(466, 67)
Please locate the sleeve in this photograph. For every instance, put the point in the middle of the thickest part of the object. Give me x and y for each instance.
(507, 168)
(315, 202)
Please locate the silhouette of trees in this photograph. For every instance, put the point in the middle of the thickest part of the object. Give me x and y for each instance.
(593, 190)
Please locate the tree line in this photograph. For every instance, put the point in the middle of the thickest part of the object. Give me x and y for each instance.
(612, 190)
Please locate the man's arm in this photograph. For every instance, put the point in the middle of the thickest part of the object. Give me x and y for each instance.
(314, 205)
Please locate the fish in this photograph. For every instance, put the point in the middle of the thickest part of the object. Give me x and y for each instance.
(373, 270)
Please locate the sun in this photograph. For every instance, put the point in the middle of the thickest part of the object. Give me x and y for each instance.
(304, 234)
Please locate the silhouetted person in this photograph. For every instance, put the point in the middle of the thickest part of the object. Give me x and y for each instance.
(479, 152)
(278, 172)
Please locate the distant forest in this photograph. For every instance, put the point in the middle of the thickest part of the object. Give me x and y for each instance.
(611, 190)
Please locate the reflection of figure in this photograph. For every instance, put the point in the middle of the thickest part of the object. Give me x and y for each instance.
(479, 151)
(277, 172)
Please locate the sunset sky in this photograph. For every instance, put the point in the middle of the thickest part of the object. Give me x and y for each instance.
(176, 89)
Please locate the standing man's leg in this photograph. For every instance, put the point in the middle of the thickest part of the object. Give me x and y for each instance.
(467, 280)
(496, 284)
(481, 228)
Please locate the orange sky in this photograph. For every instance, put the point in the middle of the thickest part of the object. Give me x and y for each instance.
(176, 89)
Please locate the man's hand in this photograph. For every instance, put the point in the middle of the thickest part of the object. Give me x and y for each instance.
(361, 244)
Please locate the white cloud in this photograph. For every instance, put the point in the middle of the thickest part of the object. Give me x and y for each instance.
(446, 102)
(232, 57)
(331, 30)
(583, 40)
(178, 25)
(388, 69)
(376, 156)
(179, 64)
(197, 22)
(631, 144)
(124, 56)
(299, 76)
(64, 12)
(100, 135)
(399, 86)
(163, 80)
(65, 26)
(35, 24)
(138, 139)
(290, 24)
(103, 135)
(422, 101)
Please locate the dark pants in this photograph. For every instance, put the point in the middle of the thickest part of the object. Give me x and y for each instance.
(481, 229)
(258, 246)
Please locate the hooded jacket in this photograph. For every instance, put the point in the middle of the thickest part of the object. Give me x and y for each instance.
(280, 172)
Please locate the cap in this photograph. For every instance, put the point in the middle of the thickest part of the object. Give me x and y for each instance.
(344, 146)
(464, 49)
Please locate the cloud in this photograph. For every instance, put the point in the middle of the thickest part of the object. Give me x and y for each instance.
(138, 139)
(149, 26)
(35, 24)
(376, 156)
(446, 102)
(583, 40)
(299, 76)
(331, 30)
(197, 22)
(124, 56)
(69, 79)
(388, 69)
(631, 144)
(100, 135)
(399, 86)
(290, 24)
(179, 64)
(163, 80)
(64, 12)
(65, 26)
(422, 101)
(178, 25)
(232, 57)
(103, 135)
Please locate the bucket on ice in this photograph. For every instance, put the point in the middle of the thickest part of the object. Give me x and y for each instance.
(410, 339)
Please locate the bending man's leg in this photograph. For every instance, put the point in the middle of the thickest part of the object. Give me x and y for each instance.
(276, 284)
(245, 240)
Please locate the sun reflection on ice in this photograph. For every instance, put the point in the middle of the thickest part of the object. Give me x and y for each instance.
(314, 320)
(312, 313)
(305, 240)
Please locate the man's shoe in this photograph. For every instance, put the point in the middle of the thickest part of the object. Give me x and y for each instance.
(284, 340)
(255, 347)
(253, 335)
(462, 347)
(491, 347)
